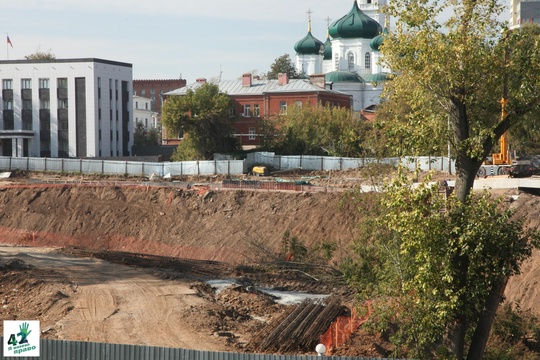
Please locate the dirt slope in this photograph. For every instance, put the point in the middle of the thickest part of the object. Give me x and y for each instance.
(218, 225)
(119, 304)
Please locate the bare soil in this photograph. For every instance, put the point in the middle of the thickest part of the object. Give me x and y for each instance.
(80, 297)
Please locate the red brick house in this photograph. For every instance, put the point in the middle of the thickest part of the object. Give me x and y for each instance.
(255, 100)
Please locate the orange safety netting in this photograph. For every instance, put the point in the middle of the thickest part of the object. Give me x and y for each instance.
(341, 330)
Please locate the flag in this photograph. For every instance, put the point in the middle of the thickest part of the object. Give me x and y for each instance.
(9, 41)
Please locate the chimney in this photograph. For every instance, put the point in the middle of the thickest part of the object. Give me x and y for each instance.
(246, 80)
(317, 80)
(283, 79)
(201, 81)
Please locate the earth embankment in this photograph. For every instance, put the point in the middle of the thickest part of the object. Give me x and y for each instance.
(212, 224)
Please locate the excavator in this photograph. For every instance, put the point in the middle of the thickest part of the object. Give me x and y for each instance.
(501, 162)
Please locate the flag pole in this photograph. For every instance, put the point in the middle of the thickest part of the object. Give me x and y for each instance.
(7, 46)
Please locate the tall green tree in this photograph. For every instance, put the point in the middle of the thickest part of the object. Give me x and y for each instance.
(321, 130)
(203, 116)
(405, 264)
(141, 136)
(283, 64)
(453, 73)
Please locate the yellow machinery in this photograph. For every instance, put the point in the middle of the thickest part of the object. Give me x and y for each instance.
(500, 162)
(503, 157)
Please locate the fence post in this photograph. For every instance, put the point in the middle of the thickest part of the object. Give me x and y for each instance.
(125, 168)
(142, 170)
(28, 164)
(80, 165)
(163, 169)
(10, 163)
(322, 163)
(62, 165)
(198, 168)
(215, 167)
(102, 167)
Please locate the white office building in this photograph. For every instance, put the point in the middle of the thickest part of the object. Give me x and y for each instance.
(523, 12)
(66, 108)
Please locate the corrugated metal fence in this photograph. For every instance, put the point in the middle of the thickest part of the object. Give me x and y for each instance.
(77, 350)
(318, 163)
(214, 167)
(129, 168)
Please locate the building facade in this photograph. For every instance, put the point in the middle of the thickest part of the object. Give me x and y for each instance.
(66, 108)
(143, 114)
(254, 100)
(524, 11)
(154, 90)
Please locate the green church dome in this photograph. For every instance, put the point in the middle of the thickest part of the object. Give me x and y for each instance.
(328, 49)
(343, 77)
(379, 77)
(378, 40)
(355, 24)
(309, 45)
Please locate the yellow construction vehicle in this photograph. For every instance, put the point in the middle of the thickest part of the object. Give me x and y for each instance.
(500, 162)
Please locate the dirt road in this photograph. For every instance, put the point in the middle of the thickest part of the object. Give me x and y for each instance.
(117, 304)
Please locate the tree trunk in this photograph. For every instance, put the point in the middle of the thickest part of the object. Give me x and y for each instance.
(483, 328)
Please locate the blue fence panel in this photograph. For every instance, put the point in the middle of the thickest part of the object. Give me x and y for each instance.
(36, 164)
(92, 166)
(207, 167)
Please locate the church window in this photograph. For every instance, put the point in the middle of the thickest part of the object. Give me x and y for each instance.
(368, 60)
(350, 61)
(336, 61)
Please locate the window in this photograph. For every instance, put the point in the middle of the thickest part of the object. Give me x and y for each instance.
(136, 104)
(299, 104)
(350, 61)
(26, 83)
(44, 104)
(252, 134)
(62, 103)
(27, 104)
(181, 134)
(283, 107)
(336, 62)
(43, 83)
(62, 83)
(146, 106)
(8, 104)
(247, 110)
(143, 92)
(232, 112)
(256, 110)
(368, 60)
(7, 84)
(63, 125)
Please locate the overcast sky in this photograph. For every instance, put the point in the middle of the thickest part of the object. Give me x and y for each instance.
(166, 39)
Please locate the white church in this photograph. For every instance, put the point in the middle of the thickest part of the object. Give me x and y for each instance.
(350, 56)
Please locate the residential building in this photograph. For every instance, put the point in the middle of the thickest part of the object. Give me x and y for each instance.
(154, 90)
(143, 114)
(66, 108)
(254, 100)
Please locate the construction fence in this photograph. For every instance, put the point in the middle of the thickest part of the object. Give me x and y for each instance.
(215, 167)
(124, 168)
(77, 350)
(326, 163)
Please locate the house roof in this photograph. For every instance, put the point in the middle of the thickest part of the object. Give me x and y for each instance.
(259, 87)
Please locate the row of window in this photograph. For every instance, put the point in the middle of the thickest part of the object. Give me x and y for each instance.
(351, 61)
(44, 104)
(256, 112)
(7, 84)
